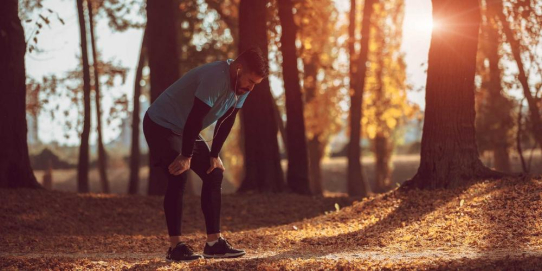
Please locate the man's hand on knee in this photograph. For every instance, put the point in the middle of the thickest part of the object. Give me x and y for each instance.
(179, 165)
(216, 162)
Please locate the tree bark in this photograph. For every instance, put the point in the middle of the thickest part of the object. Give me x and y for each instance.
(82, 166)
(449, 155)
(263, 172)
(133, 186)
(498, 103)
(315, 141)
(382, 147)
(358, 69)
(518, 139)
(382, 150)
(163, 64)
(316, 152)
(15, 169)
(298, 173)
(280, 124)
(102, 154)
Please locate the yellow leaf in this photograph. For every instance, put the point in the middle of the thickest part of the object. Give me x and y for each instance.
(391, 122)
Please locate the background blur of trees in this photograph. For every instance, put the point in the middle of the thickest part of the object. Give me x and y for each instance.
(344, 77)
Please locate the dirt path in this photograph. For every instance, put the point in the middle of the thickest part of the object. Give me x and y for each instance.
(441, 254)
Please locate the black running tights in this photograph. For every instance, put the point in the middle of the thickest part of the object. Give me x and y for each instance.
(164, 146)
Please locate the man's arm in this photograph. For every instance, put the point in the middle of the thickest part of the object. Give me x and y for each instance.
(222, 132)
(193, 126)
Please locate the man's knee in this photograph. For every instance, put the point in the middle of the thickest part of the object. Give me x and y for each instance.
(215, 177)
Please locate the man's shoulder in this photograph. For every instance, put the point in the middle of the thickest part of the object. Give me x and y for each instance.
(214, 66)
(215, 72)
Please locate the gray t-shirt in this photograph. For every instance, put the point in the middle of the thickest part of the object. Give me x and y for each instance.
(209, 83)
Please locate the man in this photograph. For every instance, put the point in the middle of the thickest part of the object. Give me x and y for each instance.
(209, 93)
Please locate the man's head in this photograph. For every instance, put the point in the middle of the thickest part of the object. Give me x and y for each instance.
(250, 69)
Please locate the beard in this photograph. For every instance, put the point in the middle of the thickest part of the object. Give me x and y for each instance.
(241, 91)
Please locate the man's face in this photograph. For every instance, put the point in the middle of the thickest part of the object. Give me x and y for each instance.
(247, 81)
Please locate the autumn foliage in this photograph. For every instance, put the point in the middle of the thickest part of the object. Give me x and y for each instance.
(491, 224)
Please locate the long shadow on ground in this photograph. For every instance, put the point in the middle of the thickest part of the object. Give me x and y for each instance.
(32, 212)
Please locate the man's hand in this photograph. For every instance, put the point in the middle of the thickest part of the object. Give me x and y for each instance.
(215, 163)
(179, 165)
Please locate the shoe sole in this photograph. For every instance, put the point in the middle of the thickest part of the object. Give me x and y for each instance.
(221, 256)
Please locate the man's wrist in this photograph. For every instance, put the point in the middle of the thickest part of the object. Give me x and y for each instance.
(185, 156)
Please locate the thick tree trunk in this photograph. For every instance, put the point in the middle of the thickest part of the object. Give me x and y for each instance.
(449, 155)
(515, 45)
(358, 70)
(262, 162)
(133, 185)
(102, 154)
(163, 64)
(298, 165)
(82, 166)
(15, 170)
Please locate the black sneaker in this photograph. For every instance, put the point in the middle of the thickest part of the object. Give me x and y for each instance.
(182, 252)
(221, 249)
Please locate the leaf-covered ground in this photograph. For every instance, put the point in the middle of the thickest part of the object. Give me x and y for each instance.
(495, 224)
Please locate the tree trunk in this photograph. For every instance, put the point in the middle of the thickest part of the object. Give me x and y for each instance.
(262, 161)
(358, 70)
(382, 150)
(163, 64)
(15, 170)
(297, 176)
(515, 45)
(280, 124)
(102, 154)
(382, 147)
(314, 140)
(133, 186)
(48, 176)
(498, 103)
(449, 155)
(519, 133)
(82, 166)
(316, 152)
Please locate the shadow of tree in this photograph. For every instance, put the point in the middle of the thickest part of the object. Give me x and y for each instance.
(410, 210)
(513, 211)
(32, 212)
(509, 227)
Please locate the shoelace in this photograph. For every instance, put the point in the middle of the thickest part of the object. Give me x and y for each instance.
(228, 245)
(188, 249)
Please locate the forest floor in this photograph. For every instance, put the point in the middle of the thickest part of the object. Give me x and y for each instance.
(494, 224)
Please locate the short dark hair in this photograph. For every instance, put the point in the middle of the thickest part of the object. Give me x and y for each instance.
(255, 61)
